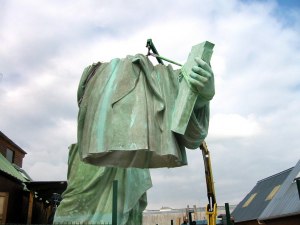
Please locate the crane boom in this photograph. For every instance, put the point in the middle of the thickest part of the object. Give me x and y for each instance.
(211, 208)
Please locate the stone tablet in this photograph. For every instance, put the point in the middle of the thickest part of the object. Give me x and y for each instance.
(187, 97)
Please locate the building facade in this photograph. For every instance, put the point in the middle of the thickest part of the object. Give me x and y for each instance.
(11, 151)
(22, 200)
(178, 216)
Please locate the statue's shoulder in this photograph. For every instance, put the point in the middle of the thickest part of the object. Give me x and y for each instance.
(87, 74)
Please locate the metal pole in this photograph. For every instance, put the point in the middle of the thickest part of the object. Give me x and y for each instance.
(190, 218)
(228, 217)
(115, 203)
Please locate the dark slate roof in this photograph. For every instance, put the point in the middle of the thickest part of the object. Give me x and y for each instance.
(286, 202)
(262, 189)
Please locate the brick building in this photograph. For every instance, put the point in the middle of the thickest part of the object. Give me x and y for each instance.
(11, 151)
(23, 201)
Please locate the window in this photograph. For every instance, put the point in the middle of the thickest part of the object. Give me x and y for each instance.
(3, 206)
(10, 155)
(250, 199)
(272, 193)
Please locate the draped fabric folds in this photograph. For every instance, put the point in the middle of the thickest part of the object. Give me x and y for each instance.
(126, 113)
(88, 198)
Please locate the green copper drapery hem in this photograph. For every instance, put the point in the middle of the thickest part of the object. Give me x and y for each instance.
(126, 113)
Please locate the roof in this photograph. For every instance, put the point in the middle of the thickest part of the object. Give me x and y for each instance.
(252, 206)
(286, 202)
(11, 170)
(45, 190)
(11, 142)
(55, 186)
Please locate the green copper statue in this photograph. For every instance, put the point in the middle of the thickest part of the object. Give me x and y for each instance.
(131, 118)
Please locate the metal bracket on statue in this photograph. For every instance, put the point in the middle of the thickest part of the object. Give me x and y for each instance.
(154, 53)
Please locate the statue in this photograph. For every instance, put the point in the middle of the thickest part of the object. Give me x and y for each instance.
(126, 109)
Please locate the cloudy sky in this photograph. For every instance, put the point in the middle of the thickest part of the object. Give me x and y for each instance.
(255, 115)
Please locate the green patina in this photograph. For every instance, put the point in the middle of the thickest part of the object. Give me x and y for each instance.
(99, 126)
(133, 116)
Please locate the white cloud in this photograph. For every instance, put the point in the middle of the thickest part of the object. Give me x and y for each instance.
(233, 126)
(46, 171)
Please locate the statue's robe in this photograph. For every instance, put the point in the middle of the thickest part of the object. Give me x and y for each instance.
(88, 197)
(126, 113)
(124, 121)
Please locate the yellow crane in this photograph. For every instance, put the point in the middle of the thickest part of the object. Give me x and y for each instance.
(211, 208)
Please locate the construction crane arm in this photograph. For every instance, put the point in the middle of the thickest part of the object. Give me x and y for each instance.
(211, 208)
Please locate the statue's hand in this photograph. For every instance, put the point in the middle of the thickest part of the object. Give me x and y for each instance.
(202, 81)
